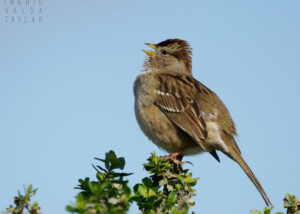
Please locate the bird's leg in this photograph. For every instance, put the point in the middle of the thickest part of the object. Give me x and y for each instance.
(175, 157)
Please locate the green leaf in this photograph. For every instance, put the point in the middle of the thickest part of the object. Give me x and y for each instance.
(147, 181)
(142, 189)
(255, 211)
(148, 167)
(80, 201)
(290, 198)
(146, 206)
(110, 156)
(71, 209)
(118, 163)
(127, 191)
(171, 198)
(193, 181)
(91, 187)
(100, 176)
(163, 182)
(104, 161)
(35, 204)
(179, 187)
(185, 210)
(267, 210)
(121, 174)
(119, 182)
(170, 188)
(151, 193)
(29, 188)
(174, 210)
(188, 178)
(103, 186)
(101, 168)
(135, 188)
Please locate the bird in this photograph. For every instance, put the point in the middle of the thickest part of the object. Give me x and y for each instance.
(181, 115)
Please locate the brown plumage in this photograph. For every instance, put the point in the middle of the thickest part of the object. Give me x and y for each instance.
(181, 115)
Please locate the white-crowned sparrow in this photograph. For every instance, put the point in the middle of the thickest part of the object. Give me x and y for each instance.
(181, 115)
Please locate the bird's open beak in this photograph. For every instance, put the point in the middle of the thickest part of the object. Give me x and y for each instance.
(150, 53)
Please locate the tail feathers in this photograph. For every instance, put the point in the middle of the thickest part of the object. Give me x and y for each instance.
(215, 155)
(238, 158)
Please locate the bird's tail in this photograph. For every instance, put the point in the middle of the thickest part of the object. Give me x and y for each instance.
(238, 158)
(234, 153)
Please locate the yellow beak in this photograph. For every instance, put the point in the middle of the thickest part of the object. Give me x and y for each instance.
(151, 46)
(150, 53)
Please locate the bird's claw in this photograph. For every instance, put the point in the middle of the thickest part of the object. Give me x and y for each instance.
(172, 159)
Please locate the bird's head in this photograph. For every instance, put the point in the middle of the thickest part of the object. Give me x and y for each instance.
(173, 55)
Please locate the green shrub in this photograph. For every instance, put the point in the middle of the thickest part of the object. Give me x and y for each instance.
(167, 189)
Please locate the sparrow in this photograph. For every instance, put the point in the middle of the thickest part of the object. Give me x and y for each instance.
(181, 115)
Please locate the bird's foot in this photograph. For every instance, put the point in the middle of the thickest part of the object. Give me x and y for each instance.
(172, 160)
(175, 158)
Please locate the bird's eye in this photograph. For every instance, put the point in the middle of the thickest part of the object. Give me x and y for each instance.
(164, 52)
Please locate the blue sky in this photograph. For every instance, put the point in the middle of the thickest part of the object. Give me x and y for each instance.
(66, 94)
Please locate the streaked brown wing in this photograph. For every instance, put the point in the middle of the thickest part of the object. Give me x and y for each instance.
(181, 109)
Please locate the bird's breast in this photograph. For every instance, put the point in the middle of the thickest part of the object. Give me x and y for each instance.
(157, 126)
